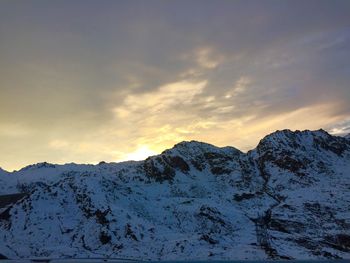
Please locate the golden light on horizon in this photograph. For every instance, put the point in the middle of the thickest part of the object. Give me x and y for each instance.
(115, 86)
(140, 154)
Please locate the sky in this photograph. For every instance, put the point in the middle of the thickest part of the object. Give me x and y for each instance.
(87, 81)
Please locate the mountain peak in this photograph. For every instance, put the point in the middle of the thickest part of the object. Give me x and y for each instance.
(289, 133)
(193, 144)
(38, 166)
(304, 140)
(196, 147)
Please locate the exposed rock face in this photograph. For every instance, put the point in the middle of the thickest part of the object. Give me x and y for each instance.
(287, 199)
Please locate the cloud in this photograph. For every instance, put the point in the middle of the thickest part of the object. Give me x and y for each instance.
(240, 86)
(341, 128)
(207, 59)
(58, 144)
(87, 82)
(14, 130)
(165, 108)
(158, 101)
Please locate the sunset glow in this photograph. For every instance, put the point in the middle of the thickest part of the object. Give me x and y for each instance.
(91, 81)
(140, 154)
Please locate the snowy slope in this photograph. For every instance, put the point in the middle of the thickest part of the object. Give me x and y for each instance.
(288, 198)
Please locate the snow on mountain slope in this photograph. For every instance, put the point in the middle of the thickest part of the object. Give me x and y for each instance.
(288, 198)
(308, 174)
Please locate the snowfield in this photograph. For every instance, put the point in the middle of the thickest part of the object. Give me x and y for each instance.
(287, 199)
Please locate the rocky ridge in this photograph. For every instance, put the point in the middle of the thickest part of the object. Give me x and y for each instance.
(288, 198)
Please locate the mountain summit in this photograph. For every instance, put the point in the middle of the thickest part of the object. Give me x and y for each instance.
(287, 199)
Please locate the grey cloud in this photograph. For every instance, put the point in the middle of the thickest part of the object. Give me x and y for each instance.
(64, 66)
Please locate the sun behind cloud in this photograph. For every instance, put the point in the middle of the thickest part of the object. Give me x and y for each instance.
(134, 79)
(140, 154)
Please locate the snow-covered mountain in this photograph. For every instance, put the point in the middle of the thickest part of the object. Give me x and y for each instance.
(287, 199)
